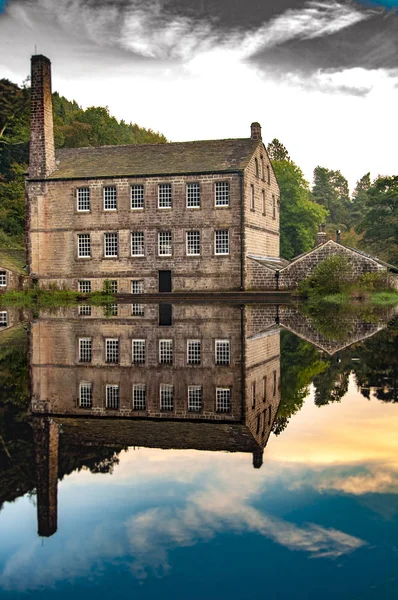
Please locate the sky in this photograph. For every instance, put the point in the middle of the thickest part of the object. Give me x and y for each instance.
(319, 75)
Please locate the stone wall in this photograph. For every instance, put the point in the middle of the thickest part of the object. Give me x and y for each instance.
(54, 222)
(14, 281)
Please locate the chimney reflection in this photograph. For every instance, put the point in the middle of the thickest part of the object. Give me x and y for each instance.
(187, 376)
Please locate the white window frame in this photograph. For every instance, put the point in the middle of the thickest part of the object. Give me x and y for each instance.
(170, 235)
(87, 236)
(221, 405)
(3, 318)
(194, 402)
(82, 350)
(84, 286)
(194, 357)
(114, 235)
(195, 196)
(166, 388)
(221, 231)
(84, 310)
(222, 194)
(137, 310)
(197, 242)
(166, 351)
(3, 278)
(139, 199)
(162, 197)
(139, 396)
(112, 387)
(138, 351)
(139, 245)
(83, 401)
(109, 349)
(83, 195)
(141, 286)
(219, 352)
(108, 188)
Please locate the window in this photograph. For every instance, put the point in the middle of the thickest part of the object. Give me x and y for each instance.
(221, 241)
(113, 286)
(223, 352)
(274, 383)
(164, 195)
(137, 286)
(138, 352)
(269, 415)
(84, 310)
(166, 397)
(223, 400)
(261, 167)
(264, 388)
(164, 243)
(84, 245)
(85, 394)
(273, 207)
(137, 243)
(194, 351)
(252, 197)
(193, 243)
(268, 175)
(110, 310)
(3, 318)
(222, 193)
(256, 167)
(194, 398)
(110, 244)
(112, 350)
(139, 396)
(137, 197)
(253, 394)
(166, 352)
(112, 396)
(263, 202)
(264, 417)
(110, 202)
(137, 310)
(85, 350)
(83, 199)
(193, 195)
(3, 278)
(85, 286)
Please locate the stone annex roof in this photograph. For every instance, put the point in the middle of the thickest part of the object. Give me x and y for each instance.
(13, 260)
(154, 159)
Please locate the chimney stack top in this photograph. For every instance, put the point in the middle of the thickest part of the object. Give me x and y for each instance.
(255, 131)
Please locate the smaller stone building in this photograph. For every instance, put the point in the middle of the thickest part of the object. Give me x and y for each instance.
(13, 272)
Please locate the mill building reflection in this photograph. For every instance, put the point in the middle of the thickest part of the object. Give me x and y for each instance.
(203, 377)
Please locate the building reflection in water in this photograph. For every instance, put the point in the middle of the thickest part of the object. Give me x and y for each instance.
(204, 377)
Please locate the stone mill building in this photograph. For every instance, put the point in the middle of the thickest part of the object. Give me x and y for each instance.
(156, 217)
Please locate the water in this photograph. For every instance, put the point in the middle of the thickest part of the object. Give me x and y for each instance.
(285, 488)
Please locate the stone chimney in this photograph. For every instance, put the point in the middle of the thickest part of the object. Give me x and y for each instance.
(255, 131)
(321, 235)
(41, 150)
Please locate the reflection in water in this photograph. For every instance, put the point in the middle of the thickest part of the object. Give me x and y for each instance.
(191, 378)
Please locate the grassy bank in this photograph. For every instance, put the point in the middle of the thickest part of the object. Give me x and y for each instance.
(388, 298)
(37, 297)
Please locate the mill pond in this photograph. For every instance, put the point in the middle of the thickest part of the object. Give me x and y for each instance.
(195, 451)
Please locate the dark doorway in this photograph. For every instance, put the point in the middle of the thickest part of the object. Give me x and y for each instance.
(164, 281)
(165, 314)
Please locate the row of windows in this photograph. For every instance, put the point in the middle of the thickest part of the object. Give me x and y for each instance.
(137, 286)
(165, 243)
(166, 397)
(260, 171)
(165, 196)
(3, 278)
(111, 310)
(263, 202)
(264, 389)
(222, 351)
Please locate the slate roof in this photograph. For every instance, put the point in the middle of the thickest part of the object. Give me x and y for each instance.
(154, 159)
(273, 263)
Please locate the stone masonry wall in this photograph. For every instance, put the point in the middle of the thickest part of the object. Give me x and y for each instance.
(54, 222)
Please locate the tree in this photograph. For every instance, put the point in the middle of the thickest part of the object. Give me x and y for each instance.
(277, 151)
(330, 190)
(299, 216)
(380, 223)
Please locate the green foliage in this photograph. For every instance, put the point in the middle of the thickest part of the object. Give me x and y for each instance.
(329, 277)
(299, 216)
(73, 127)
(277, 151)
(380, 223)
(51, 298)
(330, 190)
